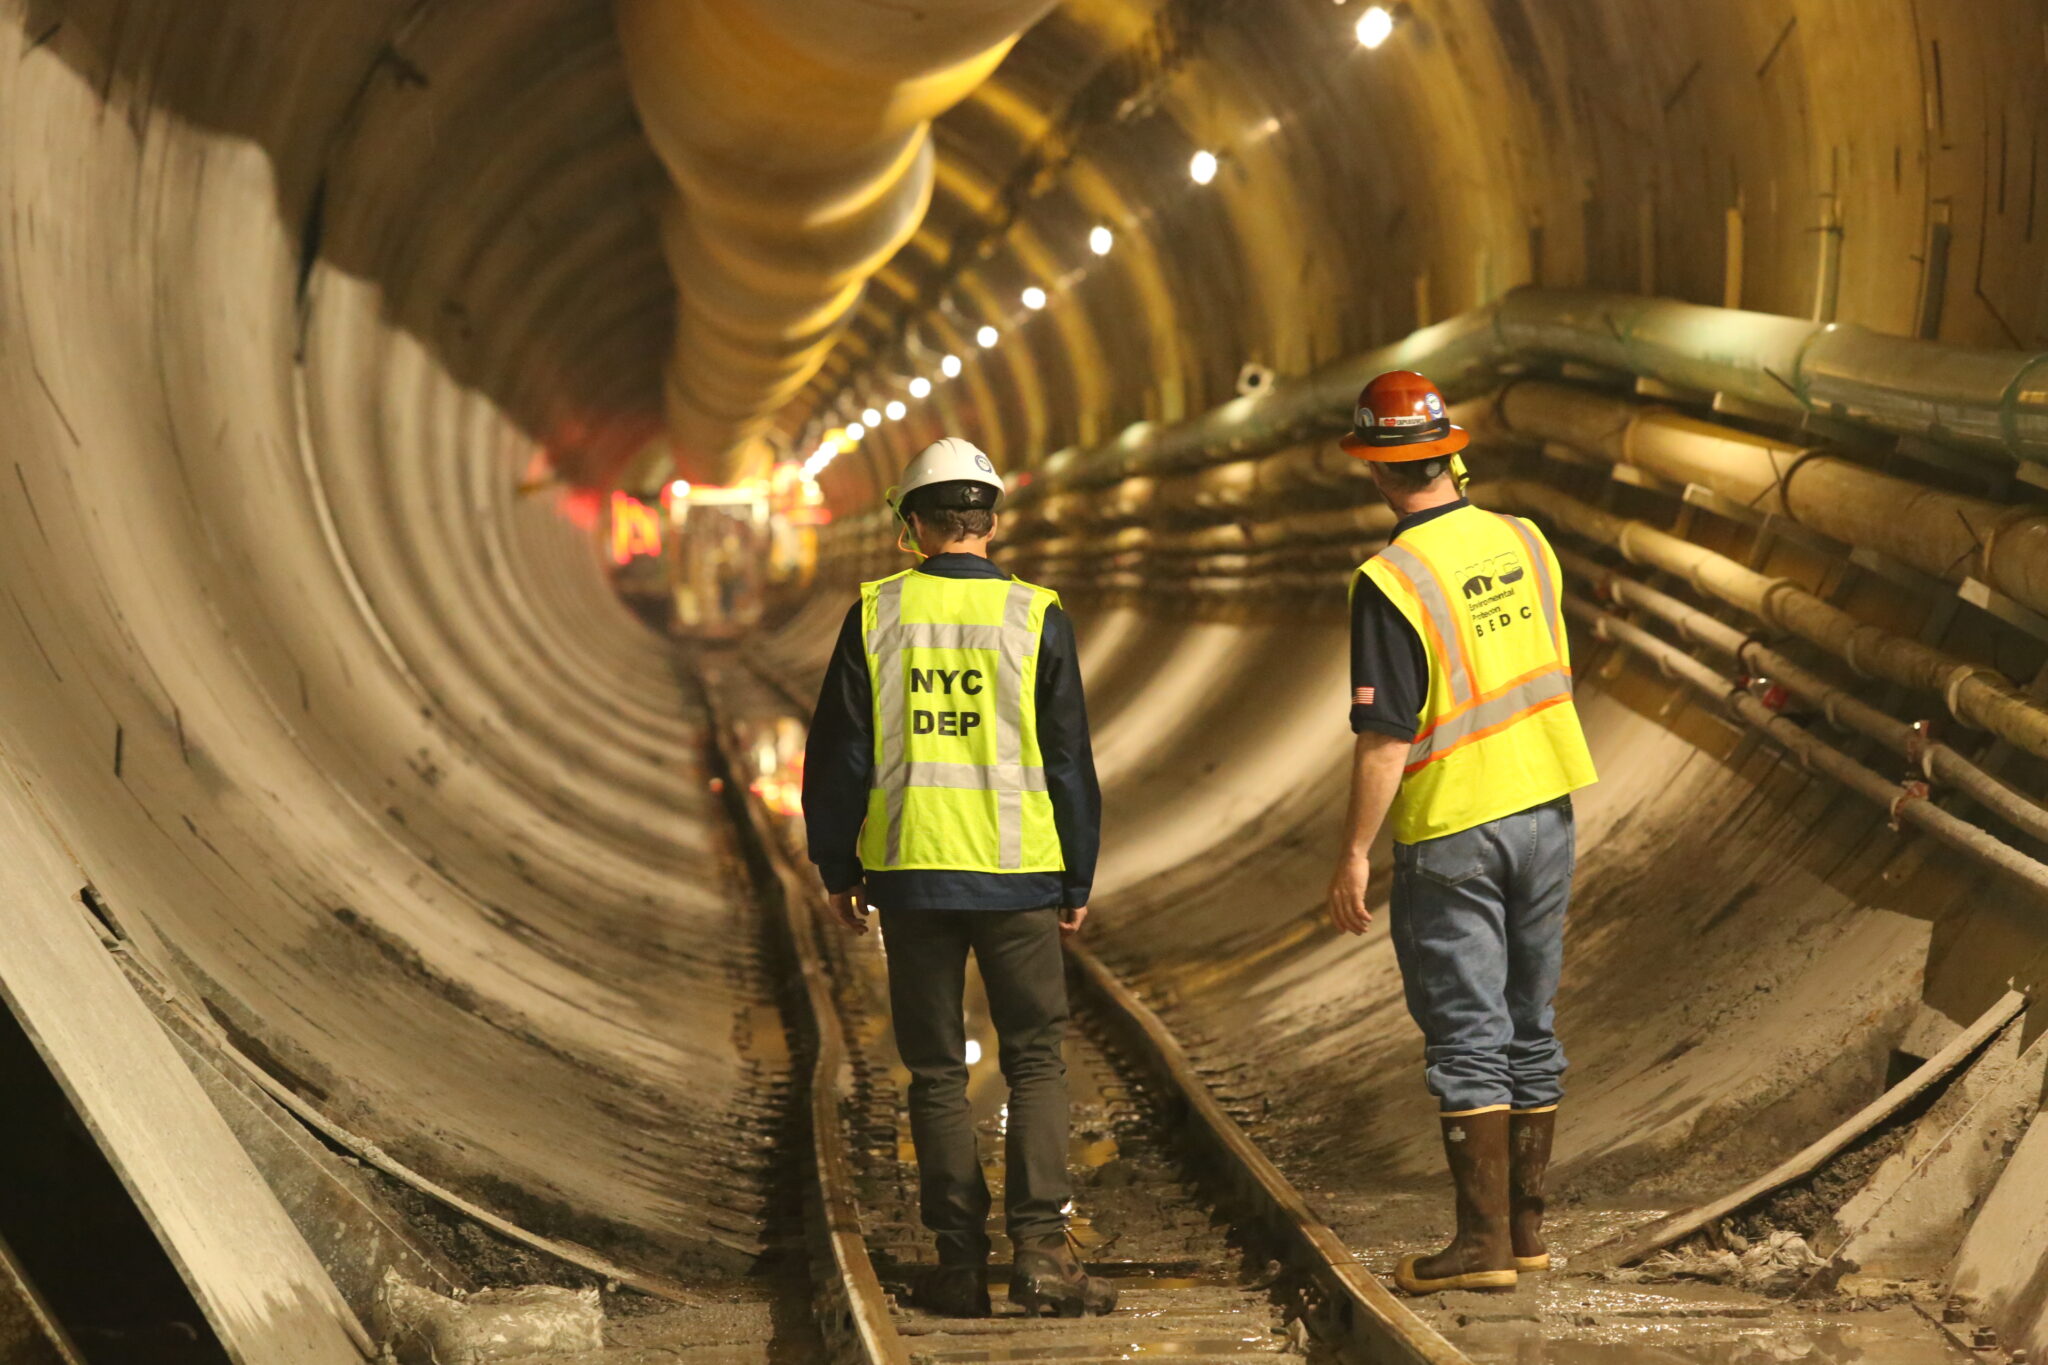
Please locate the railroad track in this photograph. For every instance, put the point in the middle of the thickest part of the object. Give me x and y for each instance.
(1216, 1255)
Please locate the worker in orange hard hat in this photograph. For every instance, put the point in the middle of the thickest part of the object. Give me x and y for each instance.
(1468, 747)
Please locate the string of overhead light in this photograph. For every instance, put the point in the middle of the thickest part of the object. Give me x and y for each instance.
(1373, 28)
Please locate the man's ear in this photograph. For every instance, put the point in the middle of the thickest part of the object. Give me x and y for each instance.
(995, 522)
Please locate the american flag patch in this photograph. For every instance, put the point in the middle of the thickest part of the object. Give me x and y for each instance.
(1361, 696)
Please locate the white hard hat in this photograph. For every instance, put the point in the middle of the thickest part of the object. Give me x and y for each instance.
(947, 460)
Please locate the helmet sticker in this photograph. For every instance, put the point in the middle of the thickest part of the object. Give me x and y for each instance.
(981, 462)
(1434, 404)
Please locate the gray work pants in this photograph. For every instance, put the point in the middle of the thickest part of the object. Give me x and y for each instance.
(1025, 975)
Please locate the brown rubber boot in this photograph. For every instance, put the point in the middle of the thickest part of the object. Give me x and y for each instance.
(1529, 1134)
(1482, 1255)
(1047, 1274)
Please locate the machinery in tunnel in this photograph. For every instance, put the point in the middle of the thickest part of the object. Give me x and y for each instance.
(445, 439)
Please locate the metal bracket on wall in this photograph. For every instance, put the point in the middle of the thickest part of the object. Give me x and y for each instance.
(1897, 574)
(1646, 387)
(1641, 478)
(1765, 523)
(1735, 405)
(1988, 599)
(1952, 460)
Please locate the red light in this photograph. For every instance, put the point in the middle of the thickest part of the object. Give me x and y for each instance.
(581, 508)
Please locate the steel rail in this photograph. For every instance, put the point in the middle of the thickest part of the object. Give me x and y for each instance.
(852, 1306)
(1344, 1304)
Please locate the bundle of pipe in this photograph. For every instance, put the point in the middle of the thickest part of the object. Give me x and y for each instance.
(1977, 696)
(1948, 535)
(798, 137)
(1844, 709)
(1907, 806)
(1992, 402)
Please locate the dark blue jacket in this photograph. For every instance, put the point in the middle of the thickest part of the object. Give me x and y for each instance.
(839, 758)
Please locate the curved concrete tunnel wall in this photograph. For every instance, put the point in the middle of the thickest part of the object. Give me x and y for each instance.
(290, 300)
(404, 794)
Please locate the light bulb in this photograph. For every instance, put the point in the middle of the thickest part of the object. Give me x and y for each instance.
(1034, 298)
(920, 387)
(1101, 240)
(950, 367)
(1375, 26)
(871, 417)
(854, 431)
(894, 412)
(987, 336)
(1203, 167)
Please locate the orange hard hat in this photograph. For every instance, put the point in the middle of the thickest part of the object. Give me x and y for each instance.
(1401, 416)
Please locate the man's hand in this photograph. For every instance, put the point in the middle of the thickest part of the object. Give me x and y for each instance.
(1072, 918)
(1347, 894)
(850, 909)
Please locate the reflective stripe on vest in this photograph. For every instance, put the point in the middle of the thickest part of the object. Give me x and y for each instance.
(1479, 717)
(1447, 641)
(1541, 565)
(1546, 688)
(1009, 777)
(1497, 732)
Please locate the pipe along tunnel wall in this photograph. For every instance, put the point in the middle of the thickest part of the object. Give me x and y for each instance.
(358, 750)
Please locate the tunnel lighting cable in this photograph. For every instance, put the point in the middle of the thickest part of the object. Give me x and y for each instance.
(894, 412)
(1202, 166)
(1034, 298)
(872, 418)
(1100, 240)
(1375, 26)
(950, 367)
(987, 337)
(920, 387)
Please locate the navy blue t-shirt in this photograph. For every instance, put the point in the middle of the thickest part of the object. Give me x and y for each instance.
(1389, 667)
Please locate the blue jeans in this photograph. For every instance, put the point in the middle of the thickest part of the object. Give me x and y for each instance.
(1478, 925)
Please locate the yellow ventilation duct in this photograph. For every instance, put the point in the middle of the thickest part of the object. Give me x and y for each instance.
(798, 135)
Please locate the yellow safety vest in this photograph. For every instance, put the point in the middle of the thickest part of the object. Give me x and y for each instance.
(1498, 732)
(958, 779)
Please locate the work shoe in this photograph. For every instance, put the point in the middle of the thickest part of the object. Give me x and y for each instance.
(1529, 1134)
(1482, 1255)
(1047, 1274)
(954, 1291)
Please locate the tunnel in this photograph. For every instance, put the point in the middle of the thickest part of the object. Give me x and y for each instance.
(377, 886)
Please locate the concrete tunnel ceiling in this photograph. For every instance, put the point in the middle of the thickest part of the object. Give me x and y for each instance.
(355, 741)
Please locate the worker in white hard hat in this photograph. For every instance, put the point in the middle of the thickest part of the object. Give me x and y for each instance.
(949, 784)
